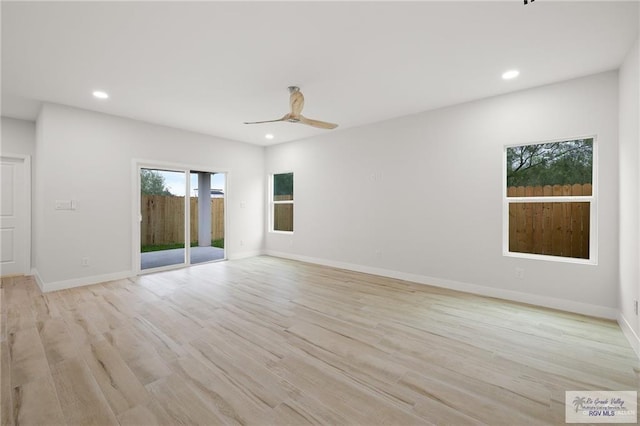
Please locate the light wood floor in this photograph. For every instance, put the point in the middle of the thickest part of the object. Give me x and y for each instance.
(270, 341)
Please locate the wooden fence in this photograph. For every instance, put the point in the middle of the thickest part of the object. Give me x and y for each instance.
(557, 229)
(283, 214)
(163, 219)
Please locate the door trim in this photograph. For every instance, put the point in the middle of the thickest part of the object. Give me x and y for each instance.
(26, 160)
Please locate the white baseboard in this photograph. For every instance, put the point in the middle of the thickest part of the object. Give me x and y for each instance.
(78, 282)
(39, 281)
(46, 287)
(516, 296)
(631, 335)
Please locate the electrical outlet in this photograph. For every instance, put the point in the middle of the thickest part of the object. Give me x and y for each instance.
(376, 177)
(635, 306)
(84, 261)
(241, 243)
(520, 273)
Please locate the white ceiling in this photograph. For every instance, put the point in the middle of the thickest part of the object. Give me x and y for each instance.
(209, 66)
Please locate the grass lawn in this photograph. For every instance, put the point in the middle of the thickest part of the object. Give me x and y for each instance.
(145, 249)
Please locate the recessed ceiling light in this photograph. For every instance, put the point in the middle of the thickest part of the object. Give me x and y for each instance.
(269, 136)
(510, 74)
(100, 94)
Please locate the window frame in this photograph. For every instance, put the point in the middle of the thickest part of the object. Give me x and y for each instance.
(273, 202)
(591, 199)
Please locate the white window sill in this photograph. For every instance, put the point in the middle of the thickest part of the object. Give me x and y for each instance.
(548, 258)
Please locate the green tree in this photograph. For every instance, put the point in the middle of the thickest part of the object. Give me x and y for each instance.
(152, 183)
(556, 163)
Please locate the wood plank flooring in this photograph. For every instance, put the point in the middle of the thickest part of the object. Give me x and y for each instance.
(267, 341)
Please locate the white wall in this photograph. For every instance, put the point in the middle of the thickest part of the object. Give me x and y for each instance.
(419, 197)
(18, 136)
(88, 157)
(629, 88)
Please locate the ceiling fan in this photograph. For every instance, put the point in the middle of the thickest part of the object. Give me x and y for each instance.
(296, 102)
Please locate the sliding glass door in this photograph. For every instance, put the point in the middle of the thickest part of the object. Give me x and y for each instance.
(207, 217)
(181, 217)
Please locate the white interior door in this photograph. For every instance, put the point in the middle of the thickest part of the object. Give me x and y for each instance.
(14, 217)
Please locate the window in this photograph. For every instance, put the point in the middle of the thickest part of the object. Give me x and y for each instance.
(282, 202)
(549, 200)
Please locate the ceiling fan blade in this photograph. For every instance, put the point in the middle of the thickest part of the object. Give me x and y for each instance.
(317, 123)
(268, 121)
(296, 103)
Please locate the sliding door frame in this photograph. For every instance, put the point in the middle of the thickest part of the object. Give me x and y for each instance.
(136, 218)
